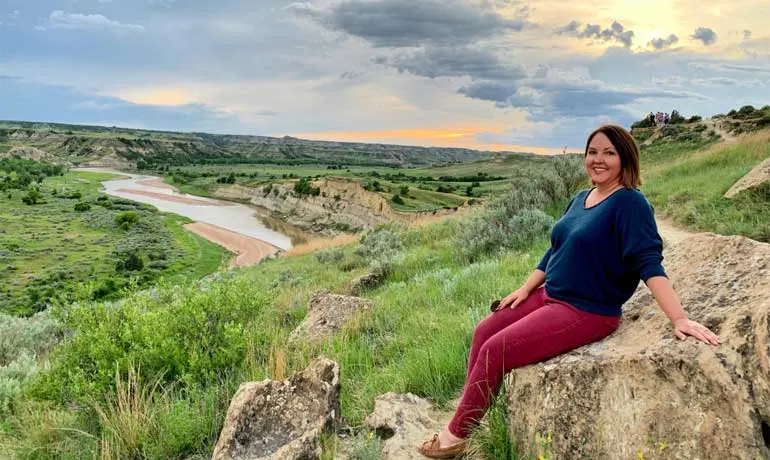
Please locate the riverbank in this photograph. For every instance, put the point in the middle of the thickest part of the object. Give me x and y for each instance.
(234, 226)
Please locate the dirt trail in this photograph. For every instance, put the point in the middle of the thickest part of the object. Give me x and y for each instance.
(249, 250)
(670, 231)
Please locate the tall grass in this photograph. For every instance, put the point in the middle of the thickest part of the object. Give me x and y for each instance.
(690, 187)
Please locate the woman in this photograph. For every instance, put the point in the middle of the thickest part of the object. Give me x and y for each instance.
(605, 242)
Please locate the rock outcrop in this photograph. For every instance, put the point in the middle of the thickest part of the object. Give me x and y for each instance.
(326, 314)
(403, 421)
(342, 205)
(364, 282)
(642, 393)
(282, 420)
(756, 177)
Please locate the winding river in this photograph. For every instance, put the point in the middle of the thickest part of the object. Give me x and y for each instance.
(232, 225)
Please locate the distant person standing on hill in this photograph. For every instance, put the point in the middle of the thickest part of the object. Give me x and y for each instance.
(603, 245)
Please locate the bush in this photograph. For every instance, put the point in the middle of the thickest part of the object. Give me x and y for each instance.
(32, 197)
(746, 110)
(397, 199)
(130, 262)
(82, 206)
(303, 187)
(379, 246)
(404, 190)
(488, 232)
(571, 171)
(127, 219)
(329, 256)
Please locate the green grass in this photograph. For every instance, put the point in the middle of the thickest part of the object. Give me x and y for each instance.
(687, 183)
(49, 249)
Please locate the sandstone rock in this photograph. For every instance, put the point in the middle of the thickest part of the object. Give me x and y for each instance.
(757, 176)
(282, 419)
(641, 390)
(326, 314)
(364, 282)
(403, 421)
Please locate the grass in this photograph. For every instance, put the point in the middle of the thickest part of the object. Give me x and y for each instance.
(689, 186)
(49, 249)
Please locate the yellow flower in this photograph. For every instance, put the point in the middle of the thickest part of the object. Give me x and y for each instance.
(640, 455)
(662, 446)
(371, 436)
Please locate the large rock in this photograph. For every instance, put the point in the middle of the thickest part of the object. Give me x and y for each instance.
(282, 420)
(757, 176)
(364, 282)
(643, 392)
(326, 314)
(403, 421)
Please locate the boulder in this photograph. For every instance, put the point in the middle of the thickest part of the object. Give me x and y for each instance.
(282, 420)
(642, 393)
(326, 314)
(756, 177)
(364, 282)
(403, 421)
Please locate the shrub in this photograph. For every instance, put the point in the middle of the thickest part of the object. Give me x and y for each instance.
(746, 110)
(303, 187)
(32, 197)
(379, 246)
(329, 256)
(404, 190)
(397, 199)
(571, 171)
(130, 261)
(127, 219)
(694, 119)
(82, 206)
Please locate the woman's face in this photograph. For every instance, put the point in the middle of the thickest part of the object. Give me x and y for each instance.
(602, 161)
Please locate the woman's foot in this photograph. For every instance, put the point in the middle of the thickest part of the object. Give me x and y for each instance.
(443, 445)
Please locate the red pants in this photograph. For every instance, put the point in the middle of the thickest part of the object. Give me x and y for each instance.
(539, 328)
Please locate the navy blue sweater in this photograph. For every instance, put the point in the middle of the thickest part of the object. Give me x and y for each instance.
(598, 255)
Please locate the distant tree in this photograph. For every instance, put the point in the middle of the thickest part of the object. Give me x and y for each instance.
(82, 206)
(405, 190)
(32, 197)
(469, 191)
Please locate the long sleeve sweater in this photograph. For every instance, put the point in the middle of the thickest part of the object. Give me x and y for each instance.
(599, 254)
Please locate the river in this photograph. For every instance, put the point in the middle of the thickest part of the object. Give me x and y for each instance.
(232, 225)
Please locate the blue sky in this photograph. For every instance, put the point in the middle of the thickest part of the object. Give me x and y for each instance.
(490, 74)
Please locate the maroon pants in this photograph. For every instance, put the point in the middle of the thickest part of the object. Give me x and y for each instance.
(539, 328)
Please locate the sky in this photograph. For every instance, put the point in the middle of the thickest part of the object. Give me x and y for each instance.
(534, 76)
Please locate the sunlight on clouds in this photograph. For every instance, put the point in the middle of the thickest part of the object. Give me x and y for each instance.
(460, 137)
(156, 96)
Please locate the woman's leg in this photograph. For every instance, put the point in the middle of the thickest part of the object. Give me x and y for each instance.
(546, 332)
(501, 319)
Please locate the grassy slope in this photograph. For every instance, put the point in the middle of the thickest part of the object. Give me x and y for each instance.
(51, 247)
(687, 182)
(403, 344)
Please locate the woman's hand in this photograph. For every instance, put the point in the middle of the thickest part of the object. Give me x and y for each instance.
(514, 298)
(684, 327)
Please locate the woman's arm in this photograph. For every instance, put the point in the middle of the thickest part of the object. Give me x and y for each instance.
(513, 299)
(669, 302)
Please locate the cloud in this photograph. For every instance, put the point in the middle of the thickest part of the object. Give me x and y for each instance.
(60, 20)
(404, 23)
(616, 31)
(660, 43)
(706, 35)
(432, 62)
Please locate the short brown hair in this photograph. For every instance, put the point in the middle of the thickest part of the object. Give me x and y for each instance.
(626, 146)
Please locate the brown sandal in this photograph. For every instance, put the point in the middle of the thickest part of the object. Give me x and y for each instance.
(431, 449)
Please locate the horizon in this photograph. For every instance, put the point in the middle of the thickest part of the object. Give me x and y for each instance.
(495, 75)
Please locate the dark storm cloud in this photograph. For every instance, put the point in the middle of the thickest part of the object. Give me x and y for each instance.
(661, 43)
(403, 23)
(432, 62)
(706, 35)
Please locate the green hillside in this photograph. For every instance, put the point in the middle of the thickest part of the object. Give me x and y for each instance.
(193, 345)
